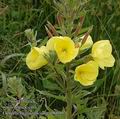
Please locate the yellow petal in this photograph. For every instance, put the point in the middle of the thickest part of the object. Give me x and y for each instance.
(84, 81)
(51, 42)
(101, 53)
(87, 73)
(87, 44)
(101, 49)
(35, 58)
(65, 49)
(105, 62)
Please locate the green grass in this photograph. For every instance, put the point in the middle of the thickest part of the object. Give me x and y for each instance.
(104, 16)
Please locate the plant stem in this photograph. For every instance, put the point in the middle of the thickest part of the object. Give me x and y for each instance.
(69, 103)
(68, 97)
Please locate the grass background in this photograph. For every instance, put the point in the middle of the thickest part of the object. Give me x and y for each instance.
(18, 15)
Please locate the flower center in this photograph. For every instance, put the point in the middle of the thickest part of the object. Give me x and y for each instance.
(64, 50)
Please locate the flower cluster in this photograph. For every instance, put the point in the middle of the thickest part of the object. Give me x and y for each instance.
(67, 50)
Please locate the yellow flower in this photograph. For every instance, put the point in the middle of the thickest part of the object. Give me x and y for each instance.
(51, 42)
(65, 49)
(87, 73)
(36, 57)
(87, 44)
(102, 54)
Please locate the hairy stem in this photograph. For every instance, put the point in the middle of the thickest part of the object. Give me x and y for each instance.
(68, 96)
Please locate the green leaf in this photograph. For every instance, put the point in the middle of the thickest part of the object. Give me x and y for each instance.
(51, 116)
(60, 97)
(4, 81)
(15, 86)
(31, 36)
(50, 85)
(57, 115)
(99, 83)
(42, 117)
(60, 70)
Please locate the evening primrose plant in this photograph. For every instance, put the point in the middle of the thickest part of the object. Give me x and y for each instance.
(67, 51)
(69, 59)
